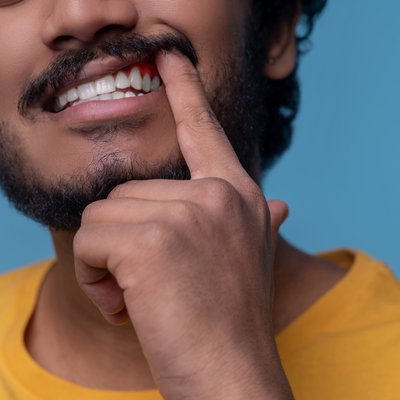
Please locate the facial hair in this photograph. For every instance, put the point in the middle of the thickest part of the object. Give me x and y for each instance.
(236, 95)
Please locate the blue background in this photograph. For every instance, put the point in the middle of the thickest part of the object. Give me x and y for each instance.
(340, 176)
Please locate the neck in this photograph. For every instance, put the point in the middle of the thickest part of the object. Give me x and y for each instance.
(81, 329)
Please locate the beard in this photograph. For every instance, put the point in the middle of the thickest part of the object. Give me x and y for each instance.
(236, 95)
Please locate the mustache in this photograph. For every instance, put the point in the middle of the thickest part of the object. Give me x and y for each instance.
(67, 66)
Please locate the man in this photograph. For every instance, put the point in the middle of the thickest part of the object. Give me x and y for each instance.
(115, 122)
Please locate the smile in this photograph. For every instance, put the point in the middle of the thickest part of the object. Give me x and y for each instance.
(133, 81)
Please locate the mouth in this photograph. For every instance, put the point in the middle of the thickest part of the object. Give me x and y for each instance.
(129, 81)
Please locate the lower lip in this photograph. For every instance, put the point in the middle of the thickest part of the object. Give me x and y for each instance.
(110, 110)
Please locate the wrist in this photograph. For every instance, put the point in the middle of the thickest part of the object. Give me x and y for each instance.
(261, 383)
(238, 378)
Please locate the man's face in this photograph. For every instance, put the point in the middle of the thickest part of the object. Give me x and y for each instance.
(57, 158)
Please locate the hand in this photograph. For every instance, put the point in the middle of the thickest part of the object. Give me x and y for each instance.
(190, 262)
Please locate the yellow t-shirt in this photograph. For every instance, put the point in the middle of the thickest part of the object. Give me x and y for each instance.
(344, 347)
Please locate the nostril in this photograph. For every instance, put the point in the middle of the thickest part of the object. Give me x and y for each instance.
(60, 41)
(67, 42)
(77, 24)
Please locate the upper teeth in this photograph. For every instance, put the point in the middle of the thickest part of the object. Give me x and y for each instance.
(101, 89)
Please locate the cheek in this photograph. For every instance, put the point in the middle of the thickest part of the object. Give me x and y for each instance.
(19, 48)
(16, 54)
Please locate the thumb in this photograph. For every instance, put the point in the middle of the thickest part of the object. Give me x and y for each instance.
(279, 211)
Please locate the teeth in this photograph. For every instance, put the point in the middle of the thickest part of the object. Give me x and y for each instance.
(118, 95)
(72, 95)
(94, 98)
(136, 79)
(106, 88)
(105, 85)
(122, 81)
(63, 100)
(146, 83)
(155, 83)
(86, 91)
(107, 96)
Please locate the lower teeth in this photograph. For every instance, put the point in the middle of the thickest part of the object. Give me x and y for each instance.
(109, 96)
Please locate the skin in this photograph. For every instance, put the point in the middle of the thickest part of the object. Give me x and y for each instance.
(61, 25)
(143, 257)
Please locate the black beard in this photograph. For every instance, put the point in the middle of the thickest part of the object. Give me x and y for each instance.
(238, 101)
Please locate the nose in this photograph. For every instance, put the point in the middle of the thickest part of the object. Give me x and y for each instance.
(73, 24)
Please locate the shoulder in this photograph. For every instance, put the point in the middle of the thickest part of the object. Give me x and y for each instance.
(19, 288)
(372, 278)
(346, 344)
(12, 280)
(367, 295)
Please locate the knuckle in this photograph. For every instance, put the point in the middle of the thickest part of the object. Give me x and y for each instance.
(79, 243)
(157, 233)
(221, 193)
(258, 203)
(200, 118)
(91, 212)
(186, 211)
(190, 75)
(117, 192)
(86, 215)
(255, 194)
(121, 191)
(221, 189)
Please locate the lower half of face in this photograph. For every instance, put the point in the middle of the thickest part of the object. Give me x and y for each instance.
(94, 136)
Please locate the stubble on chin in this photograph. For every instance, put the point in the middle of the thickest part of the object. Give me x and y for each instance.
(59, 202)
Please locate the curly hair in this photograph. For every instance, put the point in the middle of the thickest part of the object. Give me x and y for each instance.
(282, 98)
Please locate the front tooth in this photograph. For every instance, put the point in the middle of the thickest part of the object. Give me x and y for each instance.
(105, 85)
(122, 81)
(130, 94)
(87, 90)
(63, 100)
(146, 84)
(72, 95)
(136, 79)
(118, 95)
(155, 83)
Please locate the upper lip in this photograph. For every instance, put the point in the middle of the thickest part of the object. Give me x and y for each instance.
(92, 71)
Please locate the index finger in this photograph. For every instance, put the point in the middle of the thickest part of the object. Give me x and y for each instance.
(204, 145)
